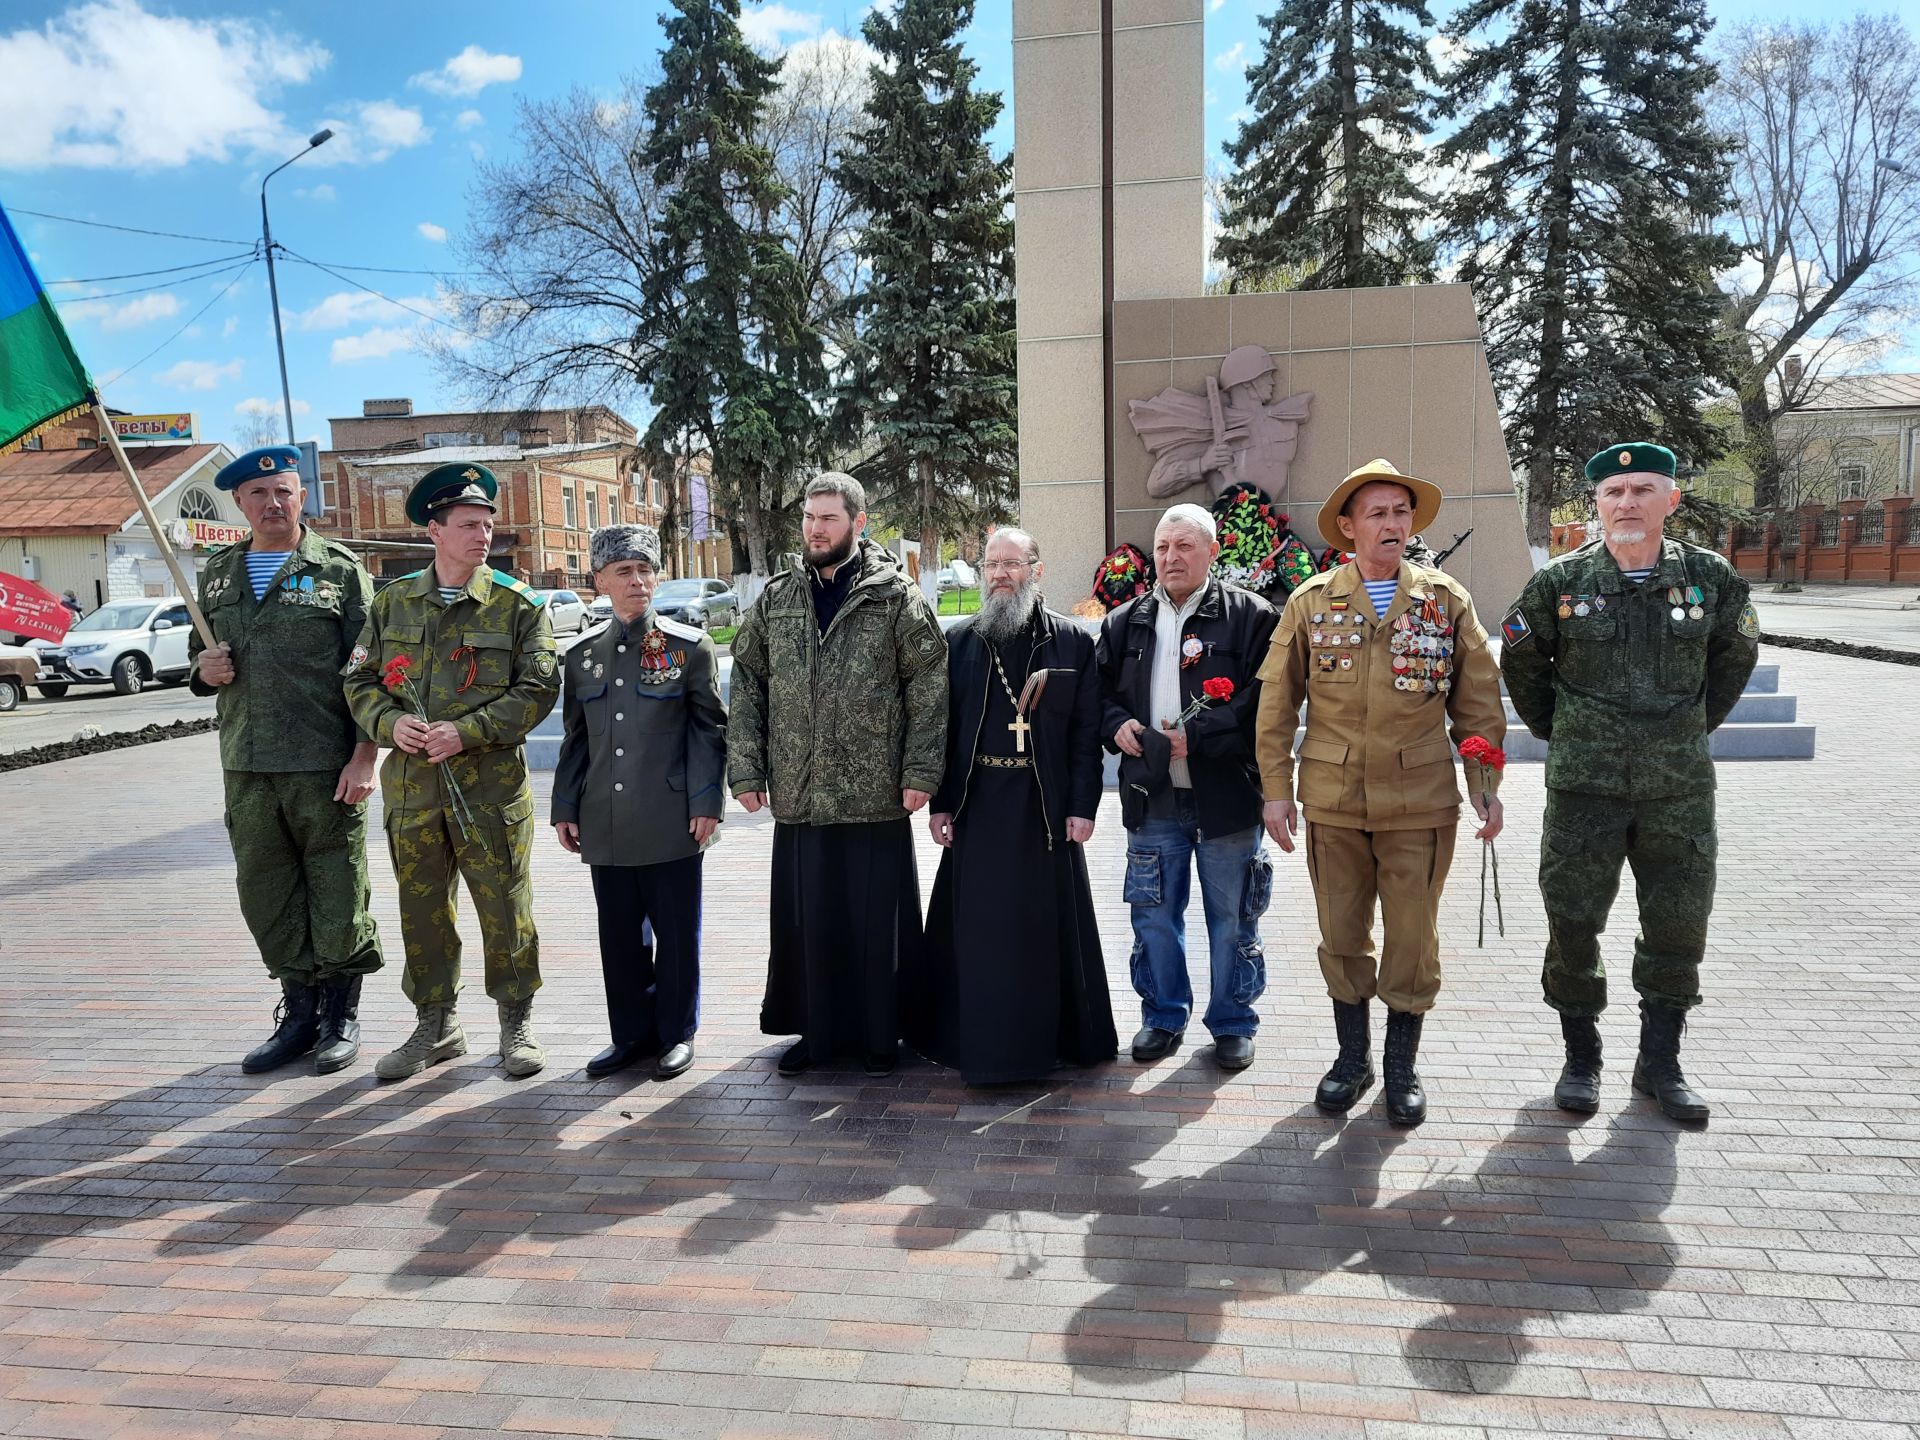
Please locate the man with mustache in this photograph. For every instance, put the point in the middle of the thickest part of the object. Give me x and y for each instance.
(285, 606)
(838, 725)
(1013, 980)
(1625, 655)
(1387, 655)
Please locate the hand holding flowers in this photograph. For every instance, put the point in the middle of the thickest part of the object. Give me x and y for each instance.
(1491, 758)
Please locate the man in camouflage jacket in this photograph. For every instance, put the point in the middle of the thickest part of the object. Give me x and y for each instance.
(479, 656)
(1626, 655)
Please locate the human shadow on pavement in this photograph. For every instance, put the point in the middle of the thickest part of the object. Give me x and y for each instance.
(154, 860)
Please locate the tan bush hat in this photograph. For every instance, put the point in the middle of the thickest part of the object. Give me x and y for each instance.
(1426, 500)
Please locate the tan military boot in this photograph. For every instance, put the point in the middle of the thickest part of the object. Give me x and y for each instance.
(436, 1037)
(518, 1049)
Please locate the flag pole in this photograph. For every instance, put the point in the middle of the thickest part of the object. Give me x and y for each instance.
(160, 541)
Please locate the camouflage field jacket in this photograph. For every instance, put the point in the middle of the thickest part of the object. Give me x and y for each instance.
(834, 726)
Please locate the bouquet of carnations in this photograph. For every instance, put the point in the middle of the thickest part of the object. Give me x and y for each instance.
(1491, 757)
(394, 676)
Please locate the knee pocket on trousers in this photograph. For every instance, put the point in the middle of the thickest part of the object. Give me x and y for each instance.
(1249, 974)
(1143, 878)
(1259, 891)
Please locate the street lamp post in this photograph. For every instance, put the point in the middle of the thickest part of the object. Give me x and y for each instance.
(273, 288)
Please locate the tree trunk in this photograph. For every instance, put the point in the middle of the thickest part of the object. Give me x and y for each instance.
(1756, 417)
(1540, 460)
(1353, 236)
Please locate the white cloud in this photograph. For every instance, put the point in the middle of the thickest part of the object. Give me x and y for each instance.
(261, 405)
(470, 72)
(468, 119)
(1229, 62)
(394, 126)
(323, 193)
(130, 316)
(1213, 5)
(198, 374)
(476, 149)
(108, 84)
(227, 330)
(377, 344)
(346, 309)
(430, 231)
(768, 26)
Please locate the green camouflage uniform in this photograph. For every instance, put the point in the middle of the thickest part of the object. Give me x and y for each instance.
(1627, 692)
(486, 662)
(285, 735)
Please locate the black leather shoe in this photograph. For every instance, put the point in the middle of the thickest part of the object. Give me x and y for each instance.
(1579, 1087)
(336, 1040)
(1153, 1043)
(296, 1023)
(677, 1059)
(1233, 1052)
(883, 1064)
(1406, 1100)
(1657, 1072)
(1352, 1073)
(617, 1057)
(796, 1059)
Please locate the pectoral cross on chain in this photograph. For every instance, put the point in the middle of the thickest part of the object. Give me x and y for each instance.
(1019, 726)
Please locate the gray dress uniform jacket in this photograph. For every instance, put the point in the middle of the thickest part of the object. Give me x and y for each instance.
(645, 745)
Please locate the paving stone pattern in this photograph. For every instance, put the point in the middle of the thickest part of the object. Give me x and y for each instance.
(1160, 1251)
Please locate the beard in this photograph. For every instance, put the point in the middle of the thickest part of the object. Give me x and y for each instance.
(1005, 613)
(1627, 536)
(834, 556)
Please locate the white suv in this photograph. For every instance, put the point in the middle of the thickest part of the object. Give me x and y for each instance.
(127, 643)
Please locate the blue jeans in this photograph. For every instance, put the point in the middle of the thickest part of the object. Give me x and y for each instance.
(1236, 882)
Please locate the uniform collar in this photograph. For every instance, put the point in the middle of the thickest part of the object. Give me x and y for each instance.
(1670, 569)
(478, 587)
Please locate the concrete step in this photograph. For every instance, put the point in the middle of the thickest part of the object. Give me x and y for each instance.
(1749, 709)
(1765, 680)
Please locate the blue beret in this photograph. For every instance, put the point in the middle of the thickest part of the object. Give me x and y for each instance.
(1634, 457)
(267, 460)
(444, 486)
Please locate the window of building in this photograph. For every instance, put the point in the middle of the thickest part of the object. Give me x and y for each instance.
(573, 512)
(329, 494)
(593, 509)
(1853, 481)
(613, 507)
(509, 437)
(197, 504)
(433, 439)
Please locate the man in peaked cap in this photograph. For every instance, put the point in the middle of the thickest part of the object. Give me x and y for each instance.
(477, 653)
(638, 794)
(285, 606)
(1626, 654)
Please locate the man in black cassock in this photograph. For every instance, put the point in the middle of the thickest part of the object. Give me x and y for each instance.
(1013, 981)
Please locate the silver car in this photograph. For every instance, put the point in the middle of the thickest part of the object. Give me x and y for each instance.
(566, 611)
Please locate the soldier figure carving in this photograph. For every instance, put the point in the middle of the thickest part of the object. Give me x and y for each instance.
(1234, 434)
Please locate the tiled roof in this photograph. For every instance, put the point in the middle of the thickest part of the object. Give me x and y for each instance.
(82, 490)
(1866, 392)
(486, 454)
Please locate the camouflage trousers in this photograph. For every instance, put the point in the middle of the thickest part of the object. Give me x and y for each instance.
(430, 855)
(302, 873)
(1671, 844)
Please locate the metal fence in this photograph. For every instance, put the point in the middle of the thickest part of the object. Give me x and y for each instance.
(1870, 527)
(1826, 531)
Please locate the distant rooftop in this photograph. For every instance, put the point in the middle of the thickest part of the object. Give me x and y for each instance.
(486, 454)
(1865, 392)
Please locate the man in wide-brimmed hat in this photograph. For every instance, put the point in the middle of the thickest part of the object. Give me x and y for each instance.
(1388, 657)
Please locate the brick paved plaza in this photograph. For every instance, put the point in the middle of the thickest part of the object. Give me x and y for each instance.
(1163, 1252)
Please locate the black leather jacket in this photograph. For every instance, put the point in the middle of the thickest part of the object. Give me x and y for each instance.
(1235, 626)
(1066, 720)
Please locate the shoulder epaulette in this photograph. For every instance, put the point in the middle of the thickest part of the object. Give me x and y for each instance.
(676, 627)
(519, 587)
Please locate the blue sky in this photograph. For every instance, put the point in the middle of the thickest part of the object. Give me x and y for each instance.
(166, 116)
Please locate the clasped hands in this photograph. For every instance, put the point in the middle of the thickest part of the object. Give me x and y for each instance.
(436, 740)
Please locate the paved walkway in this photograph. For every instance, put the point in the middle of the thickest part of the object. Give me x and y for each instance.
(1159, 1252)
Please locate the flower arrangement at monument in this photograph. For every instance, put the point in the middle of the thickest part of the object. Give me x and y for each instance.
(1491, 757)
(1257, 549)
(1122, 573)
(394, 676)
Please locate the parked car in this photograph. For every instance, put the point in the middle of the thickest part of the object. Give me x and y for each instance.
(707, 603)
(18, 666)
(565, 610)
(599, 611)
(129, 644)
(946, 580)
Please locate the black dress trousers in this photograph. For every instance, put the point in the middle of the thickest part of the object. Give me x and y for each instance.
(653, 992)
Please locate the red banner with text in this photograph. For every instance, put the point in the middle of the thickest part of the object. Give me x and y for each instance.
(26, 609)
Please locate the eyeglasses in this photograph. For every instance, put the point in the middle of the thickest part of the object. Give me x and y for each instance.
(1005, 566)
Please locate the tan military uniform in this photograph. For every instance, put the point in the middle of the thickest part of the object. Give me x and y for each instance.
(1376, 771)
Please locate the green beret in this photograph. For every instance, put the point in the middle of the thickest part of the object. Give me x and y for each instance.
(1636, 456)
(444, 486)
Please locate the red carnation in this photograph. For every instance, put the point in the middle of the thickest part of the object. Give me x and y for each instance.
(1221, 688)
(393, 674)
(1473, 748)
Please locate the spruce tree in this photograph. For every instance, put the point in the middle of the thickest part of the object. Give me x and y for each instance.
(736, 362)
(1589, 182)
(1324, 188)
(929, 371)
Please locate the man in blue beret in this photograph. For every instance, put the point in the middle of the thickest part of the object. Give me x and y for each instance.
(286, 606)
(455, 667)
(1625, 655)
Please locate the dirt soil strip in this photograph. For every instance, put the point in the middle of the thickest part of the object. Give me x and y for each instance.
(100, 744)
(1841, 647)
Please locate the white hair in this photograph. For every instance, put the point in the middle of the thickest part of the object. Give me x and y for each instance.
(1198, 516)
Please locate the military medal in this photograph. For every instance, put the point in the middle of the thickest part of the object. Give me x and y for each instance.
(1323, 663)
(1346, 662)
(1696, 610)
(1582, 609)
(1565, 611)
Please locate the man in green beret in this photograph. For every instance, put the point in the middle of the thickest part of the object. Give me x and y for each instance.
(456, 665)
(285, 606)
(1625, 655)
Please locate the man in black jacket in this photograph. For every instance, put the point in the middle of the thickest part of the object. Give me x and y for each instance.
(1014, 978)
(1190, 786)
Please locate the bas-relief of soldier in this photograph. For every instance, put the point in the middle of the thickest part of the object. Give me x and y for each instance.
(1235, 433)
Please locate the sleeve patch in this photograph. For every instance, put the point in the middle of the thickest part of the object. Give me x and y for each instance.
(1749, 622)
(543, 663)
(1514, 629)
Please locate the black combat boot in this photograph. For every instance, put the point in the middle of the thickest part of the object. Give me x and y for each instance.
(1579, 1087)
(1406, 1101)
(295, 1025)
(1352, 1073)
(1657, 1071)
(337, 1045)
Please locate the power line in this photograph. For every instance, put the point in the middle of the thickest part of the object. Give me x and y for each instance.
(390, 270)
(163, 285)
(129, 229)
(127, 370)
(349, 280)
(167, 270)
